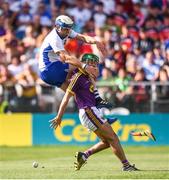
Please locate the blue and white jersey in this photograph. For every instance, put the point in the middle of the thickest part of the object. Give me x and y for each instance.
(52, 44)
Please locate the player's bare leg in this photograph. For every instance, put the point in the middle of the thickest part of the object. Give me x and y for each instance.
(106, 132)
(81, 157)
(109, 139)
(102, 145)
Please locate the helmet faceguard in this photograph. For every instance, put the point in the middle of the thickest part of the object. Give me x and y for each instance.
(92, 61)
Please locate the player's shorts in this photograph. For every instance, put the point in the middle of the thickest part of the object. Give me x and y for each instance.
(55, 73)
(91, 118)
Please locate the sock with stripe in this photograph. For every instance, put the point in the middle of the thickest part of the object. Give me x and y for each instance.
(88, 153)
(125, 163)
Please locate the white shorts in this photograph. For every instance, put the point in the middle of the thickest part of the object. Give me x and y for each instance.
(91, 118)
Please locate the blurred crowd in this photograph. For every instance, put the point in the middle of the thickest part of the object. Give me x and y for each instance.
(135, 34)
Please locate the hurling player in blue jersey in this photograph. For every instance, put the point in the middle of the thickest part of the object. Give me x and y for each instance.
(56, 65)
(81, 87)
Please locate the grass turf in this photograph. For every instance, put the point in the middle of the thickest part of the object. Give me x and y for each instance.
(16, 163)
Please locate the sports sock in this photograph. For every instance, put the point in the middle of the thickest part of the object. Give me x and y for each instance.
(125, 163)
(88, 153)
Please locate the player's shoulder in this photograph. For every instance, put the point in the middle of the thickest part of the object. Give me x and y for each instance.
(53, 37)
(77, 75)
(75, 79)
(52, 34)
(73, 34)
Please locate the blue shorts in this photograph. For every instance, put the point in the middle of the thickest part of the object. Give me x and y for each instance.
(55, 73)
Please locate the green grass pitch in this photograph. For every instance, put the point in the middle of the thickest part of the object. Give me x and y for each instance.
(16, 163)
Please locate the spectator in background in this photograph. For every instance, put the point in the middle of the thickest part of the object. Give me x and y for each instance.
(27, 77)
(158, 56)
(29, 40)
(140, 92)
(89, 28)
(27, 97)
(44, 31)
(44, 14)
(6, 10)
(9, 16)
(2, 27)
(166, 61)
(112, 64)
(80, 15)
(144, 43)
(24, 18)
(151, 30)
(138, 14)
(114, 67)
(16, 67)
(5, 76)
(131, 65)
(150, 68)
(164, 30)
(36, 27)
(33, 5)
(99, 15)
(128, 6)
(62, 9)
(162, 92)
(106, 92)
(106, 78)
(124, 90)
(109, 6)
(10, 43)
(126, 42)
(122, 80)
(133, 29)
(163, 89)
(119, 17)
(155, 11)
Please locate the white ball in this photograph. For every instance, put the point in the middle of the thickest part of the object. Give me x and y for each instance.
(35, 164)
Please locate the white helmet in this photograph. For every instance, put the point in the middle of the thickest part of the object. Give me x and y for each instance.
(64, 21)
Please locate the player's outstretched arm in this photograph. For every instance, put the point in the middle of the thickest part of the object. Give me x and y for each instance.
(69, 59)
(75, 62)
(92, 40)
(54, 123)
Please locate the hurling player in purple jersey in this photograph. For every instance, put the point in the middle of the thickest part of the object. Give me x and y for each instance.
(82, 88)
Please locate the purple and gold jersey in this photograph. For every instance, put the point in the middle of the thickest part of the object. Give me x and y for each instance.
(83, 90)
